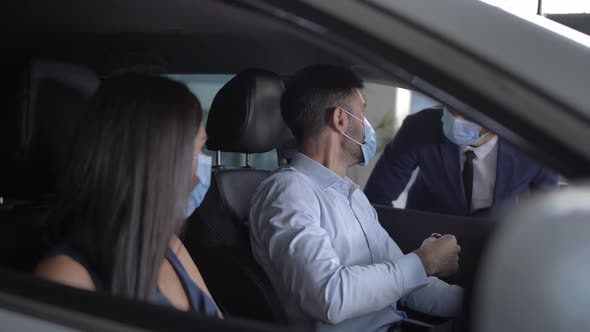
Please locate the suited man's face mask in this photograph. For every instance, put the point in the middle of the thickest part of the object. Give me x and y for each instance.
(460, 131)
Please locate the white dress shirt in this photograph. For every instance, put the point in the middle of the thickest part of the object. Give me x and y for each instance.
(484, 172)
(333, 266)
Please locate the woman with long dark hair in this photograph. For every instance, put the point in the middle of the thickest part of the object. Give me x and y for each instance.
(136, 171)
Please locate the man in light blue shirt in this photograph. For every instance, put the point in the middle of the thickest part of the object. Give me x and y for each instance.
(317, 236)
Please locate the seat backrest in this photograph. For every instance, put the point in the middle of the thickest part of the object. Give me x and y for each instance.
(534, 273)
(52, 95)
(25, 233)
(222, 218)
(245, 117)
(48, 110)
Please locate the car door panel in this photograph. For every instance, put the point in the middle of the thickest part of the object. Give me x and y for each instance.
(409, 228)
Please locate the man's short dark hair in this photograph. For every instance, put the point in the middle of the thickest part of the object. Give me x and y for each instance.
(311, 96)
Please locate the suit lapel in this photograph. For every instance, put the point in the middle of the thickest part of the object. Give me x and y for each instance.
(504, 170)
(452, 165)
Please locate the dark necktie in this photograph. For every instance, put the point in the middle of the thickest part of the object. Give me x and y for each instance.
(468, 177)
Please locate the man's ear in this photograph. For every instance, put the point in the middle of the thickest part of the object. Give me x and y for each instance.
(338, 121)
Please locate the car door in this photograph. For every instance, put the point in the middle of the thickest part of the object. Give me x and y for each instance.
(493, 66)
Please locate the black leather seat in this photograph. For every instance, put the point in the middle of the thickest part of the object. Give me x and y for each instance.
(50, 100)
(245, 117)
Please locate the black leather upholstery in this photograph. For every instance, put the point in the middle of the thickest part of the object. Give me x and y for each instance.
(224, 212)
(9, 115)
(245, 114)
(234, 186)
(238, 285)
(25, 233)
(48, 109)
(222, 218)
(53, 94)
(410, 227)
(245, 117)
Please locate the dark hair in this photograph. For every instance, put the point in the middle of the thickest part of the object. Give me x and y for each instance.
(127, 184)
(312, 94)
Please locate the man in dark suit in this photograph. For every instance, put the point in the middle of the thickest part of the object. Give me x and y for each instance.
(464, 169)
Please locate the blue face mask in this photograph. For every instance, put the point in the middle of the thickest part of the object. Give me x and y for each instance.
(204, 177)
(460, 132)
(369, 147)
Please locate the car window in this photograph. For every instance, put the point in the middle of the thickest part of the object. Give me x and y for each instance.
(205, 87)
(387, 108)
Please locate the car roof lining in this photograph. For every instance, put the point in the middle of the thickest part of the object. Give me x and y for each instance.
(206, 37)
(179, 37)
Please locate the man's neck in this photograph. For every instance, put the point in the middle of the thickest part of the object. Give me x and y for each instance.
(486, 139)
(326, 155)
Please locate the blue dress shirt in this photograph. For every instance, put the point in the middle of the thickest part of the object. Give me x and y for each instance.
(332, 264)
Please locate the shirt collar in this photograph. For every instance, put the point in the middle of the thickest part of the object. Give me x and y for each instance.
(322, 175)
(483, 150)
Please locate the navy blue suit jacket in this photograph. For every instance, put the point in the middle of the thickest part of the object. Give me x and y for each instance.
(420, 142)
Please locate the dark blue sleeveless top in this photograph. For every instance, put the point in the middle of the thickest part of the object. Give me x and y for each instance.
(199, 301)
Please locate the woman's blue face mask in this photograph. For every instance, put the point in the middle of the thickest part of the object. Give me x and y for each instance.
(459, 131)
(204, 181)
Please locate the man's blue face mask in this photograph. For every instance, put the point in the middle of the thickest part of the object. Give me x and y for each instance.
(460, 132)
(204, 181)
(369, 147)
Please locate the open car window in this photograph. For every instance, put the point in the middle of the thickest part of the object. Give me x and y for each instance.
(387, 109)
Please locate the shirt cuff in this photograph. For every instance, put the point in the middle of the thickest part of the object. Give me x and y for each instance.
(413, 273)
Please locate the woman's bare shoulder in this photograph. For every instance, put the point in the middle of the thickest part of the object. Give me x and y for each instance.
(65, 270)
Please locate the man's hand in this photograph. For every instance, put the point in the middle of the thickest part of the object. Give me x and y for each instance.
(440, 257)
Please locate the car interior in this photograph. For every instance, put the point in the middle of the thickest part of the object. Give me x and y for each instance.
(62, 51)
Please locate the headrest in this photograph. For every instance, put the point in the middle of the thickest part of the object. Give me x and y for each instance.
(52, 101)
(52, 90)
(245, 115)
(534, 274)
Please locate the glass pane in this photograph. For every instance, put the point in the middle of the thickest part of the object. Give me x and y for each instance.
(425, 172)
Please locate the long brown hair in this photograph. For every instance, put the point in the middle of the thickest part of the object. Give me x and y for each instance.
(126, 187)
